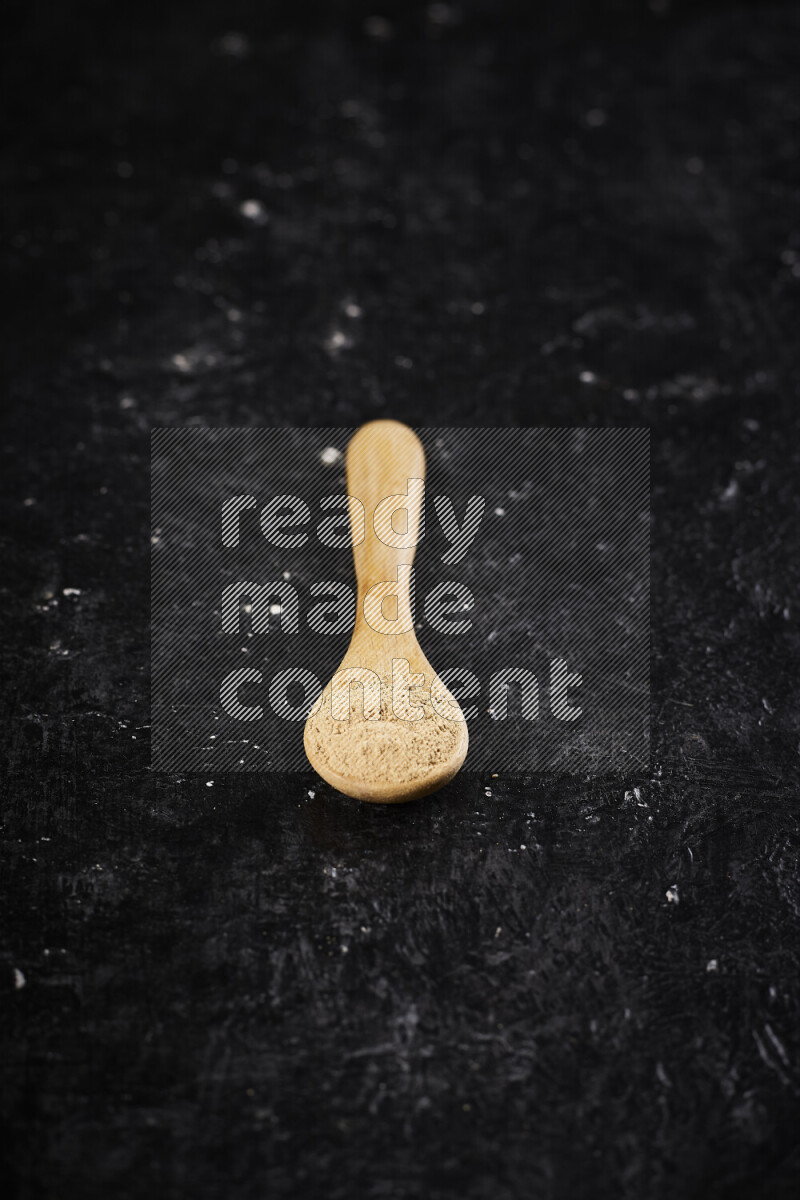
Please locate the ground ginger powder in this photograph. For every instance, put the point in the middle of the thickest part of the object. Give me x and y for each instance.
(381, 750)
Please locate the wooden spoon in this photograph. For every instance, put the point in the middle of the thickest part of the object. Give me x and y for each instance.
(365, 745)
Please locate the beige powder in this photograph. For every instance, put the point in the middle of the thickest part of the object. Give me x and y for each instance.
(380, 751)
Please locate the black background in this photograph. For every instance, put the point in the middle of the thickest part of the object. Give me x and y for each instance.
(557, 214)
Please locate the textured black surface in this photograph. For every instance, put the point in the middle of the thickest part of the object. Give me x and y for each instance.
(249, 991)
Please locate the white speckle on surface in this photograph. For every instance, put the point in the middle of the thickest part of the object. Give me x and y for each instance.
(487, 791)
(352, 310)
(311, 794)
(344, 949)
(499, 512)
(338, 340)
(29, 501)
(181, 362)
(234, 45)
(19, 979)
(253, 210)
(442, 14)
(287, 574)
(730, 493)
(523, 846)
(587, 377)
(275, 609)
(498, 931)
(330, 456)
(70, 591)
(209, 783)
(378, 28)
(234, 315)
(672, 894)
(127, 402)
(663, 1078)
(712, 965)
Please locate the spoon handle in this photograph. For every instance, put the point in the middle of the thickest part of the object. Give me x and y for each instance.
(382, 458)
